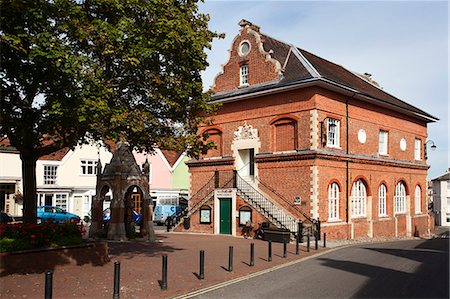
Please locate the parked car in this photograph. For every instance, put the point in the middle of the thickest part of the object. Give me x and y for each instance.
(45, 213)
(162, 212)
(6, 217)
(137, 218)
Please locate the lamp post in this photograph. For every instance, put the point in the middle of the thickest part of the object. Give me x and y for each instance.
(433, 147)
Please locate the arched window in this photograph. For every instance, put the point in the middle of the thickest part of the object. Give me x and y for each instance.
(285, 134)
(417, 201)
(358, 199)
(382, 200)
(400, 198)
(333, 201)
(216, 137)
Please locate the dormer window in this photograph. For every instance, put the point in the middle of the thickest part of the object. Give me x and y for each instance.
(244, 75)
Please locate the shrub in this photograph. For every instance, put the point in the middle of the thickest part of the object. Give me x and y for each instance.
(20, 236)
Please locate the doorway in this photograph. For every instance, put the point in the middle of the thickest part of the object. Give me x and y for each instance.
(225, 216)
(247, 165)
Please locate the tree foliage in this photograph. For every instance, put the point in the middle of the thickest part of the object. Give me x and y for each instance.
(117, 69)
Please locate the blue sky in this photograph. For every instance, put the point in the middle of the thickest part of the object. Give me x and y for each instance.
(404, 45)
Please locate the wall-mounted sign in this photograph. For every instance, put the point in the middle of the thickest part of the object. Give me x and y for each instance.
(227, 193)
(403, 144)
(205, 215)
(362, 136)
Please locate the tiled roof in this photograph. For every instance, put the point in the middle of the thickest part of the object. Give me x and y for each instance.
(56, 156)
(304, 67)
(171, 156)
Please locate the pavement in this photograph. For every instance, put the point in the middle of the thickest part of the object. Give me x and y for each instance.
(141, 267)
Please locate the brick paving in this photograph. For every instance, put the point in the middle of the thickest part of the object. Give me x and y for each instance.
(141, 265)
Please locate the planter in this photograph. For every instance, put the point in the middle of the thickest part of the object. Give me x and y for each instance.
(42, 259)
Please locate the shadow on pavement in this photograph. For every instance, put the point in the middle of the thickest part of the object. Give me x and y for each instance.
(429, 279)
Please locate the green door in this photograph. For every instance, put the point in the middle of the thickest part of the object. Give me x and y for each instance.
(225, 216)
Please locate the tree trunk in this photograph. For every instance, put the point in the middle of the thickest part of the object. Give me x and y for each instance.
(29, 187)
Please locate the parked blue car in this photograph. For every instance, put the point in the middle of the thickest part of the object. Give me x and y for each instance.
(46, 213)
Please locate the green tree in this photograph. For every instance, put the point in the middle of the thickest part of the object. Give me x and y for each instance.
(118, 69)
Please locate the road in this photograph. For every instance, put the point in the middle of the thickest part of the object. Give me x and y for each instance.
(401, 269)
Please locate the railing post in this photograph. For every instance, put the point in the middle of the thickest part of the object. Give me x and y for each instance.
(269, 258)
(230, 259)
(234, 178)
(324, 240)
(252, 254)
(202, 265)
(216, 179)
(284, 248)
(164, 273)
(300, 231)
(48, 284)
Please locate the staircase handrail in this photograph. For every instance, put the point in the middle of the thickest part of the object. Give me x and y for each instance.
(263, 196)
(285, 200)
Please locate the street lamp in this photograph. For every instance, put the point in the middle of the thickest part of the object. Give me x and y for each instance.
(433, 147)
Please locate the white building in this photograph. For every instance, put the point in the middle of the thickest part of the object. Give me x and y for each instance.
(441, 199)
(66, 178)
(10, 179)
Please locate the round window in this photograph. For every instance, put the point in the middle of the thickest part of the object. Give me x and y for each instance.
(362, 136)
(403, 144)
(244, 48)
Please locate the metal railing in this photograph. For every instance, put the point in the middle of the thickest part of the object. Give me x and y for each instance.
(262, 204)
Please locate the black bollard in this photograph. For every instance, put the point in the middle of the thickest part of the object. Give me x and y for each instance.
(297, 249)
(284, 248)
(307, 243)
(316, 241)
(164, 273)
(252, 254)
(116, 294)
(324, 240)
(269, 259)
(300, 232)
(230, 259)
(48, 284)
(202, 264)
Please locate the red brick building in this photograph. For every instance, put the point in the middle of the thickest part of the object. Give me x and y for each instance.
(308, 139)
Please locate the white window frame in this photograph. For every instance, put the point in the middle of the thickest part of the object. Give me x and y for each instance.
(382, 191)
(417, 200)
(243, 75)
(417, 151)
(86, 165)
(383, 141)
(358, 199)
(400, 198)
(50, 174)
(333, 132)
(333, 202)
(61, 201)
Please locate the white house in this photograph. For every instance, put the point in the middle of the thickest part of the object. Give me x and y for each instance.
(10, 179)
(441, 199)
(67, 178)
